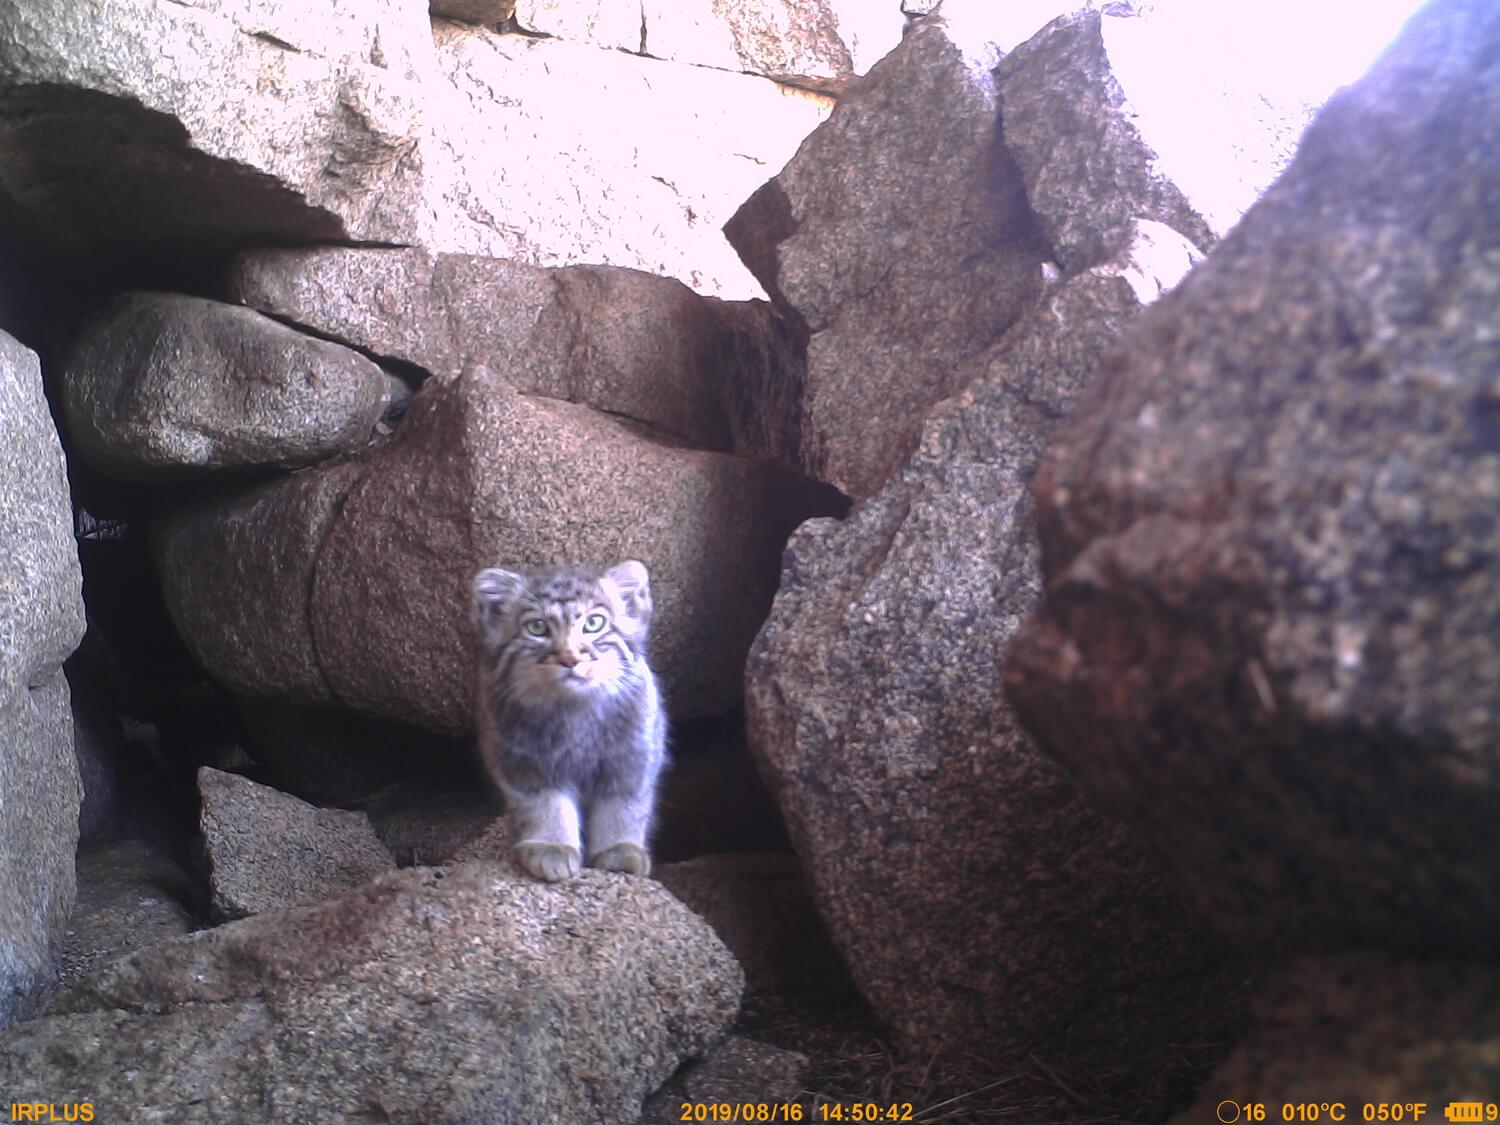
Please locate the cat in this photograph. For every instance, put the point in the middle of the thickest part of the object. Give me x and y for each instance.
(570, 717)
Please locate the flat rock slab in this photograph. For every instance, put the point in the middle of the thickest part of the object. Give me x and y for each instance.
(267, 850)
(1271, 637)
(714, 374)
(350, 585)
(815, 43)
(1363, 1029)
(163, 387)
(193, 127)
(41, 622)
(437, 995)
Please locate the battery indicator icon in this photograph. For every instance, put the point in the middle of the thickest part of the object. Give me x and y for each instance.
(1464, 1111)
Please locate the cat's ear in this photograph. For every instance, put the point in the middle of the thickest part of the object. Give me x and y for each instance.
(495, 592)
(633, 583)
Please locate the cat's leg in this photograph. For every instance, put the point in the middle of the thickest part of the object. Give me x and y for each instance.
(544, 824)
(617, 828)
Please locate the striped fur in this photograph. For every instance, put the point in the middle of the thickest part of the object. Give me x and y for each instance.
(570, 719)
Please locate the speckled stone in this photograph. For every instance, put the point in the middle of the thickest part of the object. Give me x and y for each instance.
(1271, 637)
(1088, 172)
(267, 850)
(715, 374)
(979, 902)
(163, 387)
(898, 240)
(461, 995)
(41, 622)
(350, 584)
(738, 1071)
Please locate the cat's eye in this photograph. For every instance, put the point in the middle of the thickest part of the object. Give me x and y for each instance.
(535, 627)
(594, 623)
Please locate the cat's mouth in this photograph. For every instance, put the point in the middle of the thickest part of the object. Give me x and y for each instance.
(582, 674)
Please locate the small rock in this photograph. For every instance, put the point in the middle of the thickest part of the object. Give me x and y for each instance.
(267, 850)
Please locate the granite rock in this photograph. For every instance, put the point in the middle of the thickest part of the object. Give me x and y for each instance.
(470, 994)
(163, 387)
(1271, 636)
(267, 850)
(41, 622)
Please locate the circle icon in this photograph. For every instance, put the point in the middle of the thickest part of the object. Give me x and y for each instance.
(1228, 1111)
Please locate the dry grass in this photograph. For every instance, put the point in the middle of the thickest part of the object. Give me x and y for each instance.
(851, 1061)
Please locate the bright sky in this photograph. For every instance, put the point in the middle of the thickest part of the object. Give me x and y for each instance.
(1221, 94)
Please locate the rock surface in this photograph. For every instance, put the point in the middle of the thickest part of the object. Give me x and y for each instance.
(820, 44)
(475, 11)
(738, 1071)
(557, 153)
(349, 585)
(216, 122)
(163, 387)
(41, 622)
(192, 129)
(267, 850)
(899, 242)
(132, 894)
(1088, 172)
(759, 906)
(716, 375)
(1364, 1030)
(1272, 633)
(441, 996)
(979, 902)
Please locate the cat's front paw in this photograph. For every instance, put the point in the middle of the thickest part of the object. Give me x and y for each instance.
(551, 863)
(629, 858)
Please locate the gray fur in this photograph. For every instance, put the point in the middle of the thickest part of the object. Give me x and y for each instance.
(570, 722)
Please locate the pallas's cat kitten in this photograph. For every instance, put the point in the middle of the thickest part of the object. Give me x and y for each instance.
(570, 718)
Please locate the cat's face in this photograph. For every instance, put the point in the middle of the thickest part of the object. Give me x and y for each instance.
(562, 634)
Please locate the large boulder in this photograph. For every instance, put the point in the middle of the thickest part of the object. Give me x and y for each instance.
(978, 900)
(462, 995)
(1078, 145)
(348, 585)
(163, 387)
(718, 375)
(899, 242)
(1271, 637)
(41, 622)
(991, 149)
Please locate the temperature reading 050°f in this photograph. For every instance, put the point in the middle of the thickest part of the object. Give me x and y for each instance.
(1395, 1111)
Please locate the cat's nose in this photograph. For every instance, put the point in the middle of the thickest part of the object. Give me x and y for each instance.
(568, 656)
